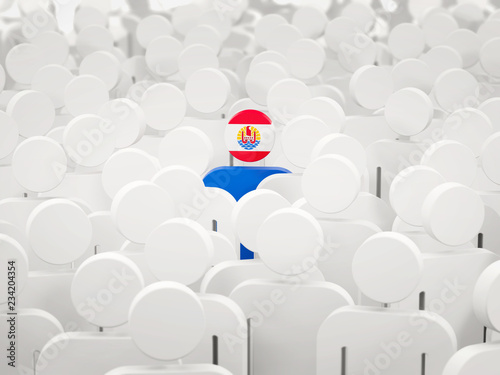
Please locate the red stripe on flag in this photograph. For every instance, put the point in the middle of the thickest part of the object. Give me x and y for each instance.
(249, 156)
(250, 116)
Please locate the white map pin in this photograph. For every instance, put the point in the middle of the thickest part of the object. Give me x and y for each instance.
(59, 231)
(387, 267)
(104, 287)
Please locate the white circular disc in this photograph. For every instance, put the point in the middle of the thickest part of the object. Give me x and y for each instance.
(406, 40)
(331, 183)
(437, 27)
(412, 73)
(186, 146)
(289, 240)
(33, 112)
(126, 119)
(89, 140)
(490, 157)
(469, 126)
(466, 43)
(152, 27)
(105, 235)
(453, 160)
(282, 37)
(310, 21)
(88, 15)
(59, 231)
(39, 164)
(166, 307)
(94, 38)
(139, 207)
(326, 109)
(453, 87)
(489, 56)
(338, 30)
(306, 57)
(3, 78)
(206, 35)
(103, 65)
(164, 106)
(485, 301)
(126, 166)
(491, 108)
(207, 90)
(194, 57)
(357, 50)
(489, 30)
(10, 250)
(224, 250)
(271, 56)
(442, 58)
(409, 189)
(23, 61)
(361, 13)
(52, 80)
(183, 185)
(371, 86)
(285, 97)
(251, 211)
(100, 287)
(261, 77)
(9, 135)
(179, 250)
(453, 214)
(387, 267)
(186, 17)
(85, 94)
(296, 147)
(265, 26)
(54, 47)
(162, 55)
(408, 111)
(343, 145)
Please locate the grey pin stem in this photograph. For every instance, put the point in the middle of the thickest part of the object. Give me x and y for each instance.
(214, 225)
(422, 365)
(231, 160)
(480, 239)
(343, 363)
(379, 182)
(249, 347)
(215, 350)
(35, 360)
(96, 251)
(421, 301)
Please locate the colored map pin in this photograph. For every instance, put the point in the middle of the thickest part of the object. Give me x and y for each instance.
(249, 135)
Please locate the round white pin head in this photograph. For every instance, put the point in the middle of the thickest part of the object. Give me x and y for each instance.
(166, 307)
(59, 231)
(486, 299)
(331, 183)
(387, 267)
(139, 207)
(453, 214)
(452, 160)
(104, 287)
(409, 190)
(179, 250)
(251, 210)
(289, 241)
(12, 251)
(39, 164)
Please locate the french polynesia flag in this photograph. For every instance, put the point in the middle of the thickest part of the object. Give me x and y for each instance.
(249, 135)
